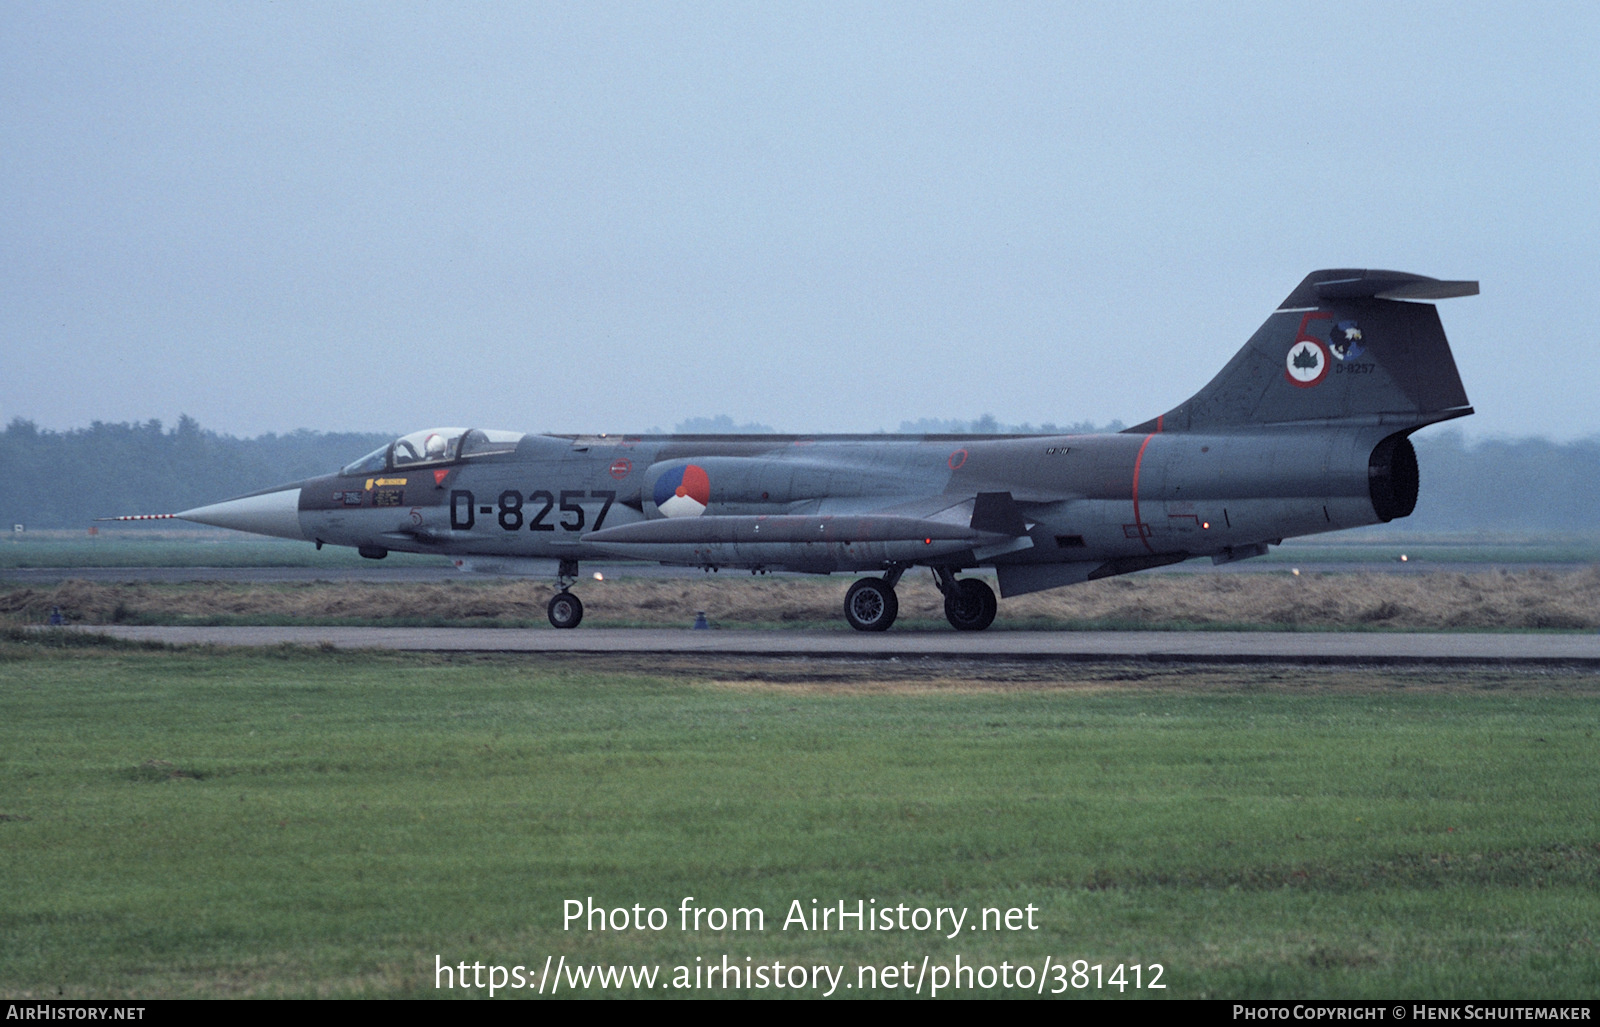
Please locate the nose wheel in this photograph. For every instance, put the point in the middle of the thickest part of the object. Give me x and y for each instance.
(565, 610)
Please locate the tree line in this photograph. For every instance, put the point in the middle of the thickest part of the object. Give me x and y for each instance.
(66, 479)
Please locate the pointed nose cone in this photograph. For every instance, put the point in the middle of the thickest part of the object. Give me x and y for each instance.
(266, 513)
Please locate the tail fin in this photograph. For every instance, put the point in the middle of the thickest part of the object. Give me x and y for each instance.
(1345, 347)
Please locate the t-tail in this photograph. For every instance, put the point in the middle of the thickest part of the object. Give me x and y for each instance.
(1348, 347)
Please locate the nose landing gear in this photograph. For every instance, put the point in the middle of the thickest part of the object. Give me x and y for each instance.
(565, 609)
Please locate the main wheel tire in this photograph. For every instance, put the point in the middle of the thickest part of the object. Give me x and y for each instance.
(971, 605)
(565, 610)
(871, 605)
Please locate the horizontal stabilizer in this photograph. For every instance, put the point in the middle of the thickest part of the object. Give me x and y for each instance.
(1355, 284)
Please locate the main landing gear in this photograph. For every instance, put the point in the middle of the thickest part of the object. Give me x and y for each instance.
(969, 604)
(871, 604)
(565, 609)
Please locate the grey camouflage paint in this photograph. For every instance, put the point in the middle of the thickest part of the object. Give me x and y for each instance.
(1303, 431)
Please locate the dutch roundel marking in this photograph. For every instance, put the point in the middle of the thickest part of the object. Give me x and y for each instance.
(1306, 364)
(620, 467)
(957, 459)
(683, 492)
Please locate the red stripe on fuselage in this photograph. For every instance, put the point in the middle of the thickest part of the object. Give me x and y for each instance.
(1144, 536)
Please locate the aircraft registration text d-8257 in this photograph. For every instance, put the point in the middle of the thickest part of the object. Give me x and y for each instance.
(510, 512)
(1305, 430)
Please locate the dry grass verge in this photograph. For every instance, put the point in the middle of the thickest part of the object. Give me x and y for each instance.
(1488, 600)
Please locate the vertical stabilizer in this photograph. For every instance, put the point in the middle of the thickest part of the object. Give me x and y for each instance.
(1347, 346)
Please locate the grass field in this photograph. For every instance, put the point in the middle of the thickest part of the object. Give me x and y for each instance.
(307, 823)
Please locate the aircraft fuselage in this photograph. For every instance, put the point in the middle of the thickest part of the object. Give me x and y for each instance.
(857, 503)
(1305, 430)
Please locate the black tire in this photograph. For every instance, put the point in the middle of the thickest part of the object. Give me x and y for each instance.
(565, 610)
(971, 605)
(871, 605)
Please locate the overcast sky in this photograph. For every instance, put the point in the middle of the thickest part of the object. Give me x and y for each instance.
(586, 217)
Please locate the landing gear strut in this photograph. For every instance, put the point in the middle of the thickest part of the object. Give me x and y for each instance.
(565, 610)
(969, 604)
(871, 604)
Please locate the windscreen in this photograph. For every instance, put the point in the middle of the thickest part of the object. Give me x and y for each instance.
(434, 446)
(372, 463)
(429, 446)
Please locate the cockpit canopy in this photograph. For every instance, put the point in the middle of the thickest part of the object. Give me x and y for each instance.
(434, 446)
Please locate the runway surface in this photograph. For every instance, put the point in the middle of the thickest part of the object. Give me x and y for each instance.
(1307, 648)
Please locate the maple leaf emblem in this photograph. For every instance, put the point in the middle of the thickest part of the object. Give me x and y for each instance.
(1306, 359)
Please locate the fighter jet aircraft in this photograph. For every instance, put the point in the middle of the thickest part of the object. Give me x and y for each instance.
(1304, 431)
